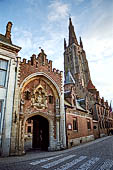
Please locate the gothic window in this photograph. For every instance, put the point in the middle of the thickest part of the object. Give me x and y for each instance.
(88, 124)
(75, 124)
(3, 72)
(74, 102)
(68, 59)
(51, 99)
(27, 95)
(29, 129)
(57, 101)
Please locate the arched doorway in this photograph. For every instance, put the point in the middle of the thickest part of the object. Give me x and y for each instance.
(37, 133)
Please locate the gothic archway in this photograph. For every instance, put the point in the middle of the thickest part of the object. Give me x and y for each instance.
(36, 133)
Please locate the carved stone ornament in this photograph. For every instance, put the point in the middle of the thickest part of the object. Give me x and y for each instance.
(39, 98)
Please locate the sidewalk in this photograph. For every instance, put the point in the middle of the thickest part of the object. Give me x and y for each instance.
(42, 154)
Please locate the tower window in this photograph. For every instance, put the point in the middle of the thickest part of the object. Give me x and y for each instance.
(68, 58)
(51, 99)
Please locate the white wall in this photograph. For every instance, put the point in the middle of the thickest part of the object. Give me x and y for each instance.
(6, 94)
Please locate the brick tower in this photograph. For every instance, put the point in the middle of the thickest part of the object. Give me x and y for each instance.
(75, 58)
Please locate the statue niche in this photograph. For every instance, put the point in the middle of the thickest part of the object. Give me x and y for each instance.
(39, 98)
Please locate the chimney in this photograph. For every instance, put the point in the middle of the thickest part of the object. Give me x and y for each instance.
(8, 30)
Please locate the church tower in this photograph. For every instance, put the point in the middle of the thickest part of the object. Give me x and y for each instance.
(75, 58)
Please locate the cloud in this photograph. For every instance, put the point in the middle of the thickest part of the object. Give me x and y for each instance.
(95, 25)
(58, 10)
(101, 72)
(31, 44)
(98, 40)
(34, 3)
(78, 2)
(96, 3)
(93, 21)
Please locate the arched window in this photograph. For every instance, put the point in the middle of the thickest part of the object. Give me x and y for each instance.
(50, 99)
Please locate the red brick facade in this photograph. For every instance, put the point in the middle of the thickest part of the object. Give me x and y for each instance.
(39, 93)
(82, 100)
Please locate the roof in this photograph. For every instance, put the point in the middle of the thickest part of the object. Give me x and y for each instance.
(67, 103)
(7, 42)
(67, 94)
(69, 78)
(90, 85)
(4, 39)
(79, 107)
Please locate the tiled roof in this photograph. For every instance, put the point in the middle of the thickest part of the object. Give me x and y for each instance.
(90, 85)
(67, 103)
(69, 78)
(79, 107)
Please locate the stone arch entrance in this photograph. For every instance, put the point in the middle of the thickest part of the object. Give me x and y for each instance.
(37, 136)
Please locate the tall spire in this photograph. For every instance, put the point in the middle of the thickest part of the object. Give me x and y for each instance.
(81, 44)
(72, 35)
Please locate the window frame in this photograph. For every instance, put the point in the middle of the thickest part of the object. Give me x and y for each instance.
(4, 70)
(51, 99)
(88, 124)
(29, 129)
(75, 127)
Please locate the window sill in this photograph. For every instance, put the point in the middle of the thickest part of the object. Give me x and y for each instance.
(75, 130)
(3, 87)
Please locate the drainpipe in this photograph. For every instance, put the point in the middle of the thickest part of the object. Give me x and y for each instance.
(65, 107)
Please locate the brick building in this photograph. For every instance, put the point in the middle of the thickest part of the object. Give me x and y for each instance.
(93, 118)
(79, 121)
(39, 97)
(38, 110)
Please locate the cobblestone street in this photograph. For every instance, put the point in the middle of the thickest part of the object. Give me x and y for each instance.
(96, 155)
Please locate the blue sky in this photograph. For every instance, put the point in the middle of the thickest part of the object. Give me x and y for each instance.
(44, 23)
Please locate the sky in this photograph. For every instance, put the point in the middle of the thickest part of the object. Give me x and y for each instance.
(44, 23)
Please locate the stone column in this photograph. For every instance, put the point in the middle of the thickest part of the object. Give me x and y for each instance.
(22, 136)
(62, 115)
(57, 122)
(58, 131)
(57, 128)
(51, 136)
(19, 137)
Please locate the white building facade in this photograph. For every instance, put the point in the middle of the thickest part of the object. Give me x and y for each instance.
(8, 69)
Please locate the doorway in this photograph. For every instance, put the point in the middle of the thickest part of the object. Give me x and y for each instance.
(40, 133)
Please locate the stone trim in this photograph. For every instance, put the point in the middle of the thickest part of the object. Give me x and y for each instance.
(41, 74)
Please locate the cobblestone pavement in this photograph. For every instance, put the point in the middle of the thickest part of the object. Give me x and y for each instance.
(96, 155)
